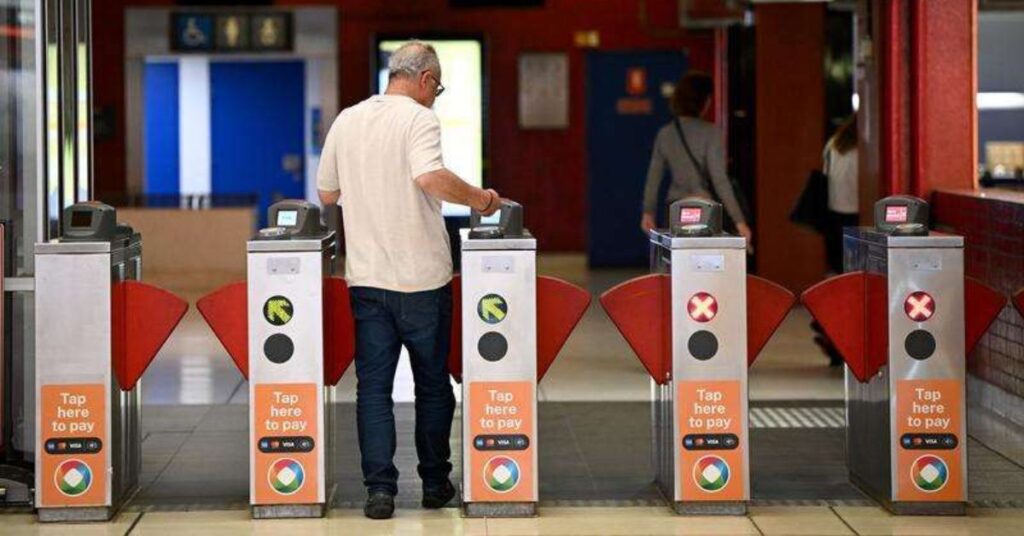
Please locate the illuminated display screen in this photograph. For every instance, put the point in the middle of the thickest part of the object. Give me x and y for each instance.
(460, 108)
(896, 214)
(81, 218)
(287, 218)
(689, 215)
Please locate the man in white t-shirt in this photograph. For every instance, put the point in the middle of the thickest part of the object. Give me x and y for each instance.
(382, 162)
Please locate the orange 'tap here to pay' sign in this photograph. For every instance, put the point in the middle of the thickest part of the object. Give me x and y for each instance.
(286, 469)
(74, 435)
(501, 416)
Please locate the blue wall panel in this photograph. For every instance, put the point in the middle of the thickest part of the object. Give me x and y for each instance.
(619, 151)
(256, 120)
(161, 128)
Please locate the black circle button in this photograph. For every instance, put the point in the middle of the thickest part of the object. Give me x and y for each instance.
(919, 344)
(278, 348)
(492, 346)
(703, 345)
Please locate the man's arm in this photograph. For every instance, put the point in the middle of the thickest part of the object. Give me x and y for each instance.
(329, 197)
(447, 186)
(327, 183)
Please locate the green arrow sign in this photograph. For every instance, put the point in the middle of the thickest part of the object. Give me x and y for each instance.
(278, 310)
(492, 308)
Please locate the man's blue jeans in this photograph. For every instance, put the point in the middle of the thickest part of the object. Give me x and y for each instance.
(386, 321)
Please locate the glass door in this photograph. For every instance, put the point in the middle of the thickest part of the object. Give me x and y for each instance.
(45, 165)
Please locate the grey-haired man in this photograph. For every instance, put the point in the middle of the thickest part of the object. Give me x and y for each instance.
(382, 161)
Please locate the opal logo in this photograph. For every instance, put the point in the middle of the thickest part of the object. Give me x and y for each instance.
(73, 477)
(286, 476)
(929, 473)
(501, 474)
(711, 473)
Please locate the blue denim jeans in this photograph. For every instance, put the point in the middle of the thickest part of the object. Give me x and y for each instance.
(386, 321)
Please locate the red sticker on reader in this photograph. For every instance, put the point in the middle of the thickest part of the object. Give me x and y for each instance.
(896, 214)
(689, 215)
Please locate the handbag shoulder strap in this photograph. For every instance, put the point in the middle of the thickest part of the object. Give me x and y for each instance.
(700, 169)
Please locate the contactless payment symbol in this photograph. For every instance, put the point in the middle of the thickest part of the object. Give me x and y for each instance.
(501, 474)
(73, 477)
(711, 473)
(278, 310)
(919, 306)
(492, 308)
(929, 473)
(702, 307)
(286, 476)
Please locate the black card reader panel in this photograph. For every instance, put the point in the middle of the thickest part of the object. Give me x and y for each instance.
(510, 223)
(91, 221)
(293, 218)
(694, 216)
(902, 215)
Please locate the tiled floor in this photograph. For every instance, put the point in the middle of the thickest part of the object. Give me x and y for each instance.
(768, 521)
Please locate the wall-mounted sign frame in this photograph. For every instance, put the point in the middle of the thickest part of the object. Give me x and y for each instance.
(226, 32)
(543, 90)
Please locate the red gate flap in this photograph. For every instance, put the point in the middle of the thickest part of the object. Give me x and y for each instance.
(339, 330)
(225, 311)
(455, 346)
(560, 306)
(1018, 300)
(767, 305)
(143, 318)
(982, 304)
(852, 310)
(640, 309)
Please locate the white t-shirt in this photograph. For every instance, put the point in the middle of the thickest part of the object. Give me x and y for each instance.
(842, 181)
(395, 235)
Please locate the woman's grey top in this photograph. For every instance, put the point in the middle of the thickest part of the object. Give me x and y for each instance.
(705, 140)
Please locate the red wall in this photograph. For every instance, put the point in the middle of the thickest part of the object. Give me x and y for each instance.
(790, 135)
(544, 170)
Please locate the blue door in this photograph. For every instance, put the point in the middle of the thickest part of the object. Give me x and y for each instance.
(256, 123)
(160, 132)
(625, 109)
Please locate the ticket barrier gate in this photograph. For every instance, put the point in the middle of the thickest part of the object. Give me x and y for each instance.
(697, 323)
(290, 331)
(904, 318)
(98, 328)
(508, 326)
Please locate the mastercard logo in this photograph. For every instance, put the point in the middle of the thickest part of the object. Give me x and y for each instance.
(711, 473)
(286, 476)
(73, 477)
(501, 474)
(929, 473)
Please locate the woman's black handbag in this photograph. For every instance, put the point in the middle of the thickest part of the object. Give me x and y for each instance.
(709, 187)
(811, 208)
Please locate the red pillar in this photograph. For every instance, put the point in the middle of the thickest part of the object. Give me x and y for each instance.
(790, 133)
(918, 83)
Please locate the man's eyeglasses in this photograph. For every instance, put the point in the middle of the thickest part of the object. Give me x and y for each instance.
(440, 87)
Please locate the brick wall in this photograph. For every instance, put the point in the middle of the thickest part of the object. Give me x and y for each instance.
(993, 230)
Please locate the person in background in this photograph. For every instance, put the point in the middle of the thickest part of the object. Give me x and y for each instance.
(840, 165)
(695, 171)
(382, 161)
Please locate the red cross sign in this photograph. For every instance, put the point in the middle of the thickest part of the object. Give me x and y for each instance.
(920, 306)
(702, 307)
